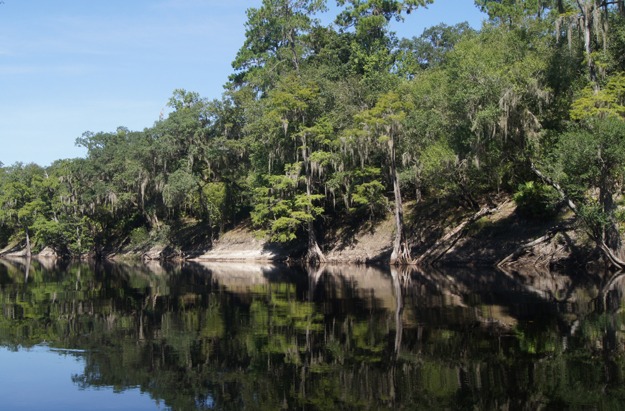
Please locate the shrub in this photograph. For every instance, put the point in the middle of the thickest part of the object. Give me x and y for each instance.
(138, 236)
(536, 200)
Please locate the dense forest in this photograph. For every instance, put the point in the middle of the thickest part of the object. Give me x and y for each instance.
(328, 125)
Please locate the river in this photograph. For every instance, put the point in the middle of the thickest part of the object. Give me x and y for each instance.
(263, 337)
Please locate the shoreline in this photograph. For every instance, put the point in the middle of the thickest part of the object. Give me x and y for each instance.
(500, 240)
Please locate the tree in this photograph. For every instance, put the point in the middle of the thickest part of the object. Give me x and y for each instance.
(370, 17)
(430, 164)
(20, 201)
(593, 21)
(514, 13)
(384, 122)
(430, 49)
(365, 25)
(592, 156)
(274, 41)
(498, 98)
(608, 101)
(291, 117)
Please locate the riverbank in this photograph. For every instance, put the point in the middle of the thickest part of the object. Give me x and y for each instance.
(492, 236)
(438, 235)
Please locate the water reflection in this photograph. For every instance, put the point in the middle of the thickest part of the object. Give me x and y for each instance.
(228, 336)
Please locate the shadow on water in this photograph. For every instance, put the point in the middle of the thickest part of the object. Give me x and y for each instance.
(253, 336)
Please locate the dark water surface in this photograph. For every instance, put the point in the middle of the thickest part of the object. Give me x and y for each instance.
(252, 337)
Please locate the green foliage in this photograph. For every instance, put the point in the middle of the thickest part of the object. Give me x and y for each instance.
(385, 118)
(370, 196)
(592, 160)
(179, 189)
(438, 164)
(616, 43)
(275, 41)
(370, 17)
(536, 200)
(139, 236)
(594, 217)
(592, 155)
(609, 101)
(497, 96)
(514, 12)
(50, 233)
(430, 49)
(214, 200)
(282, 211)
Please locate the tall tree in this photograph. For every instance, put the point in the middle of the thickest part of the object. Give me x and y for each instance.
(498, 94)
(274, 41)
(385, 122)
(591, 17)
(365, 24)
(593, 159)
(291, 119)
(513, 12)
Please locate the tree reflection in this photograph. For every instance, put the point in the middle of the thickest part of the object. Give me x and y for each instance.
(266, 337)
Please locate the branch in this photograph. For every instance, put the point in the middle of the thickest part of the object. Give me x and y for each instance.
(614, 259)
(557, 187)
(609, 253)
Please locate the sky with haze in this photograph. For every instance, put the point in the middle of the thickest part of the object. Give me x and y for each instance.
(71, 66)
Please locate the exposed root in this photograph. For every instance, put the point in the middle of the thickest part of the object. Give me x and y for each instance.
(314, 256)
(401, 255)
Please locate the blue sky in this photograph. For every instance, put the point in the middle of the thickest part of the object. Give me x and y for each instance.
(70, 66)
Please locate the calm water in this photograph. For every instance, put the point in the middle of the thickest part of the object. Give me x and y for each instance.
(234, 337)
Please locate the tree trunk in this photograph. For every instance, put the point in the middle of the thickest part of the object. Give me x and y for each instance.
(610, 234)
(586, 8)
(401, 252)
(314, 255)
(28, 251)
(289, 35)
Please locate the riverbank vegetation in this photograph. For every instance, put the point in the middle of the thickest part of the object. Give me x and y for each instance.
(326, 126)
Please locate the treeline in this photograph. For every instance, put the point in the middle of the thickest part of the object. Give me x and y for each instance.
(321, 125)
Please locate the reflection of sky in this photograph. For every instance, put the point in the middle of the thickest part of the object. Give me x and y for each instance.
(41, 379)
